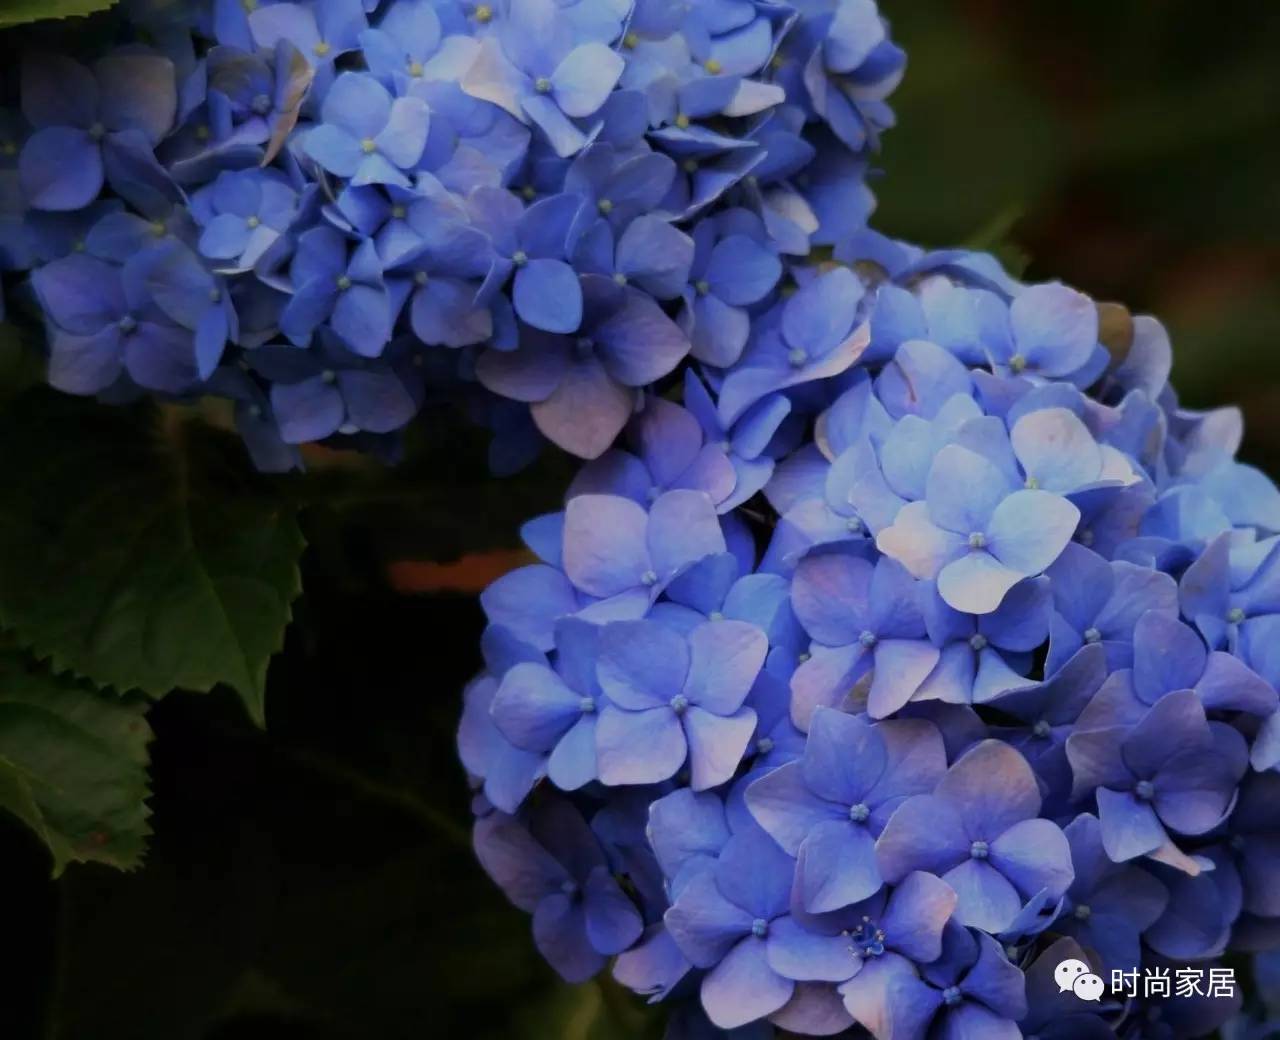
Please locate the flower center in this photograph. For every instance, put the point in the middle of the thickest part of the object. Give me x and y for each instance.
(604, 205)
(951, 996)
(1235, 615)
(679, 703)
(484, 13)
(867, 940)
(329, 376)
(368, 146)
(1083, 912)
(764, 745)
(689, 166)
(1041, 730)
(519, 258)
(421, 278)
(583, 347)
(1085, 537)
(343, 283)
(1092, 635)
(796, 357)
(321, 49)
(569, 888)
(398, 212)
(415, 69)
(978, 641)
(1144, 790)
(586, 705)
(542, 85)
(712, 66)
(158, 229)
(859, 813)
(127, 324)
(868, 639)
(853, 525)
(261, 104)
(649, 578)
(252, 222)
(215, 295)
(702, 287)
(759, 927)
(630, 41)
(1017, 363)
(619, 278)
(682, 121)
(97, 131)
(979, 850)
(977, 540)
(1031, 484)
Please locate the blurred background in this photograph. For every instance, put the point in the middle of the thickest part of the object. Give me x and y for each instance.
(316, 880)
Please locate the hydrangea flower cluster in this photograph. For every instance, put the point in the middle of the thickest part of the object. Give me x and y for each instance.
(930, 644)
(901, 635)
(330, 211)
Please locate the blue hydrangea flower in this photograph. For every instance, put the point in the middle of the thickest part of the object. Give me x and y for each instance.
(733, 268)
(1172, 771)
(829, 807)
(977, 532)
(816, 335)
(970, 990)
(731, 918)
(1096, 601)
(551, 865)
(581, 388)
(669, 453)
(365, 134)
(863, 617)
(88, 125)
(327, 388)
(241, 214)
(537, 66)
(341, 287)
(672, 700)
(553, 710)
(103, 324)
(979, 830)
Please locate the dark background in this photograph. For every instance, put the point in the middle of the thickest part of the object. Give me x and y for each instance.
(316, 880)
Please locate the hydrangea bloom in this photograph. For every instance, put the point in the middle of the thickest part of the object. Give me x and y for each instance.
(902, 631)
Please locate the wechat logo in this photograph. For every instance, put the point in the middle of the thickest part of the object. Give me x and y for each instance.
(1075, 976)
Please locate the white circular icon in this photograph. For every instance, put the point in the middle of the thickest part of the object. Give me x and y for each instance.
(1075, 976)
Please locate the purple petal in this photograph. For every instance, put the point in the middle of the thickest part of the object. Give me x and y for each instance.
(796, 953)
(547, 295)
(585, 412)
(990, 788)
(743, 988)
(639, 747)
(528, 601)
(604, 540)
(716, 745)
(60, 169)
(725, 658)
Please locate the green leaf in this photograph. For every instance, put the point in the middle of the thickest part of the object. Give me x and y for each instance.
(137, 550)
(18, 12)
(73, 765)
